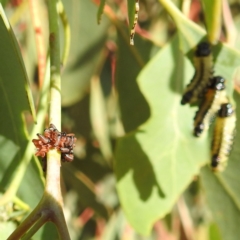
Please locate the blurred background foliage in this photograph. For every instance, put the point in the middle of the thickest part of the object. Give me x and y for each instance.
(138, 172)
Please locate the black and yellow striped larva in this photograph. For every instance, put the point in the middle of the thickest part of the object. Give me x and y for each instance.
(132, 33)
(203, 63)
(214, 96)
(223, 136)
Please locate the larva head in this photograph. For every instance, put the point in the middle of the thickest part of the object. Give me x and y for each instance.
(198, 130)
(47, 133)
(226, 110)
(215, 162)
(203, 49)
(52, 127)
(217, 83)
(186, 97)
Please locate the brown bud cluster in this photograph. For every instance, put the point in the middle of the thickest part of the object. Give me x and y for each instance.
(53, 139)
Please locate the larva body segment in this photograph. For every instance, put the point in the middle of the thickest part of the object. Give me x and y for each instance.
(68, 157)
(43, 139)
(223, 137)
(214, 96)
(66, 150)
(203, 64)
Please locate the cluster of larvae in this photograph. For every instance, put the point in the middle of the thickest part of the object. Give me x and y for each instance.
(53, 139)
(209, 93)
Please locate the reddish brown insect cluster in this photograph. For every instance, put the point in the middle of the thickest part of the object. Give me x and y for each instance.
(51, 139)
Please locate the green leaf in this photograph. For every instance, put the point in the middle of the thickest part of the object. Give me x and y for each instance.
(11, 59)
(13, 85)
(155, 163)
(143, 167)
(8, 149)
(100, 10)
(131, 59)
(222, 189)
(98, 115)
(4, 2)
(6, 228)
(223, 205)
(85, 53)
(214, 232)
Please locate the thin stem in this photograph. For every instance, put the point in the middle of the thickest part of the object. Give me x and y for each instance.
(26, 224)
(21, 204)
(185, 218)
(231, 32)
(214, 24)
(55, 66)
(52, 188)
(178, 17)
(186, 5)
(61, 225)
(53, 176)
(53, 157)
(110, 14)
(67, 32)
(41, 52)
(18, 13)
(35, 227)
(172, 10)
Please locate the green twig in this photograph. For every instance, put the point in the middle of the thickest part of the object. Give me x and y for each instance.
(35, 227)
(213, 13)
(55, 66)
(26, 224)
(175, 13)
(39, 38)
(179, 18)
(67, 32)
(231, 32)
(18, 13)
(189, 32)
(52, 193)
(110, 14)
(21, 204)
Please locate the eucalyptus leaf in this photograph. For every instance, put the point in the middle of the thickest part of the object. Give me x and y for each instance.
(6, 228)
(13, 97)
(85, 51)
(99, 119)
(11, 59)
(131, 59)
(131, 12)
(155, 163)
(222, 189)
